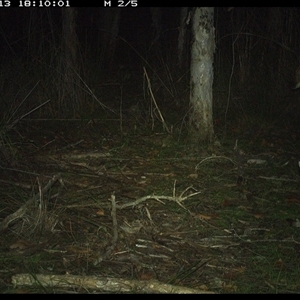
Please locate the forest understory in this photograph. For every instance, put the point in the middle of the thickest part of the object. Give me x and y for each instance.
(86, 209)
(103, 187)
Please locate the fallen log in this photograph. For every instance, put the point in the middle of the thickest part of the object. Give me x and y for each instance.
(104, 284)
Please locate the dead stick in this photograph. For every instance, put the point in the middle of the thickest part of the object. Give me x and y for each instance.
(115, 232)
(22, 210)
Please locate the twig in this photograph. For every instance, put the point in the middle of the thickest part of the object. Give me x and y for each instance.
(278, 179)
(93, 95)
(17, 108)
(11, 125)
(214, 157)
(177, 199)
(155, 103)
(115, 233)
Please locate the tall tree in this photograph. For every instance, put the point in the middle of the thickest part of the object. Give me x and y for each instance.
(109, 24)
(182, 34)
(70, 92)
(203, 46)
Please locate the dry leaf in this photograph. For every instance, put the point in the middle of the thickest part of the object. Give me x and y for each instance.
(146, 276)
(258, 216)
(78, 250)
(292, 200)
(230, 185)
(229, 288)
(20, 245)
(193, 176)
(100, 212)
(203, 217)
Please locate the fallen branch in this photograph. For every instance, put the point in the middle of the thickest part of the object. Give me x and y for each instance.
(22, 210)
(177, 199)
(102, 283)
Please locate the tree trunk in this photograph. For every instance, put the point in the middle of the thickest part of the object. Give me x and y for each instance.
(109, 26)
(182, 35)
(201, 130)
(70, 93)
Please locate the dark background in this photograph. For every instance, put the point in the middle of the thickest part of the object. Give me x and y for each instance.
(257, 54)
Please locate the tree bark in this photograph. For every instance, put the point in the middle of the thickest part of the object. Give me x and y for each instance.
(109, 26)
(182, 35)
(70, 93)
(203, 46)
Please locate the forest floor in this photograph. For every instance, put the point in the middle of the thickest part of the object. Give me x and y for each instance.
(97, 210)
